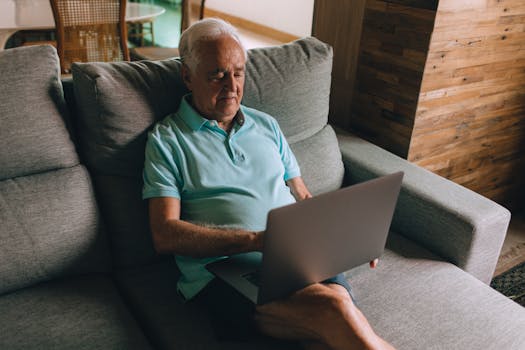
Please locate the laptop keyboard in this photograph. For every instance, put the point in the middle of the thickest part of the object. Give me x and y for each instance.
(253, 277)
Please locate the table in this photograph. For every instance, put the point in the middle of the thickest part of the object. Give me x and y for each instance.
(18, 15)
(139, 14)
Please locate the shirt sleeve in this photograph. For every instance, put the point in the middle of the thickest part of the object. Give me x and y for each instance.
(291, 167)
(161, 175)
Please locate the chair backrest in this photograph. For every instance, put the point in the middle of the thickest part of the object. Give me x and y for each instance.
(90, 31)
(186, 13)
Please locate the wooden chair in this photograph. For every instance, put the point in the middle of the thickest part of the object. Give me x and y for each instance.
(90, 31)
(160, 53)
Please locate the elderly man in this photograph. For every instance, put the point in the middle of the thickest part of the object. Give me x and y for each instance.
(213, 170)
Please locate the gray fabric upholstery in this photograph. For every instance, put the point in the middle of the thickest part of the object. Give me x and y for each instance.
(33, 136)
(121, 197)
(50, 228)
(460, 225)
(413, 299)
(320, 159)
(152, 294)
(417, 302)
(77, 313)
(291, 83)
(116, 105)
(50, 222)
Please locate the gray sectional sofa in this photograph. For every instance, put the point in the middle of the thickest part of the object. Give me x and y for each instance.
(77, 265)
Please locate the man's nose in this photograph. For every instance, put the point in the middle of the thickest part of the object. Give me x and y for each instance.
(230, 82)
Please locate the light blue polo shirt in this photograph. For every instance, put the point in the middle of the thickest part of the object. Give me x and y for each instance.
(222, 179)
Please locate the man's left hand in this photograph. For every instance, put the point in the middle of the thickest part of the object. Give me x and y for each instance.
(373, 263)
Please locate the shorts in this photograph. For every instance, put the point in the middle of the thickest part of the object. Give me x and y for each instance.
(231, 314)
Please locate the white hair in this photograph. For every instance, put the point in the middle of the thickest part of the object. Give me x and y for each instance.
(204, 30)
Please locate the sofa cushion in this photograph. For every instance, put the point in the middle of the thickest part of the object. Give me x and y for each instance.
(291, 82)
(320, 159)
(411, 293)
(419, 302)
(77, 313)
(50, 228)
(33, 136)
(117, 103)
(151, 292)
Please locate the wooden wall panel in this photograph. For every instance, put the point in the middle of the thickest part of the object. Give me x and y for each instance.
(339, 23)
(441, 83)
(392, 56)
(470, 119)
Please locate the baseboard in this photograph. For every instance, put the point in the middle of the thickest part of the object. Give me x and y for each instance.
(248, 25)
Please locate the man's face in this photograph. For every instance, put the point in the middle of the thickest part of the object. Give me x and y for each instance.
(218, 80)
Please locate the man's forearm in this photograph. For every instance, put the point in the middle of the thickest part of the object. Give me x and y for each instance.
(184, 238)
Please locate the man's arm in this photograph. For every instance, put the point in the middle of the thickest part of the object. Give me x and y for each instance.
(298, 188)
(172, 235)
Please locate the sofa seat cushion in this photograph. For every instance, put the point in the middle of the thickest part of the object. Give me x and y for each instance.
(151, 292)
(412, 299)
(419, 302)
(82, 313)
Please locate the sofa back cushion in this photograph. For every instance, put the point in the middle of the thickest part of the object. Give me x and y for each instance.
(292, 83)
(33, 138)
(50, 223)
(118, 103)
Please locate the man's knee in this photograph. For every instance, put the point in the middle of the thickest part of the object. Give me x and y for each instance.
(333, 298)
(341, 291)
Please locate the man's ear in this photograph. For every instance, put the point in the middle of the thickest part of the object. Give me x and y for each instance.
(186, 76)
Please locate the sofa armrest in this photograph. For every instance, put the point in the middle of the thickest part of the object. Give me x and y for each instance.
(454, 222)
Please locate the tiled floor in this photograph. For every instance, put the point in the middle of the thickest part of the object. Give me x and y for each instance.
(167, 25)
(167, 29)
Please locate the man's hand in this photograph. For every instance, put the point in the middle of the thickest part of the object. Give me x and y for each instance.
(373, 263)
(298, 188)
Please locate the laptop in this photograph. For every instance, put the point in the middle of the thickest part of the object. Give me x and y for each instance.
(309, 241)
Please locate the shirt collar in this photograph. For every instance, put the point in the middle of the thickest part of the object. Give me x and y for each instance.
(195, 121)
(190, 116)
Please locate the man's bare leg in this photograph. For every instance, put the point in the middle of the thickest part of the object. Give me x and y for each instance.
(320, 313)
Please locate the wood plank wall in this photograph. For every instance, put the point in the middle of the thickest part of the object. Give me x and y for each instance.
(339, 23)
(392, 56)
(470, 119)
(441, 83)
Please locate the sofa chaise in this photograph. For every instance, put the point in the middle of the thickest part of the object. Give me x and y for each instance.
(77, 265)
